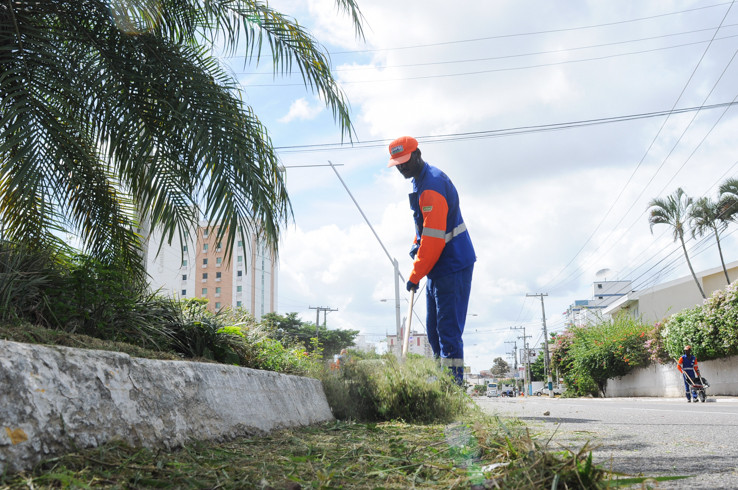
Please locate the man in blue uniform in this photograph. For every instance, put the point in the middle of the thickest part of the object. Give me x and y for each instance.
(687, 365)
(442, 251)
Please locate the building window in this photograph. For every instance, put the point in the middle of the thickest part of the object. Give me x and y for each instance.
(204, 291)
(184, 263)
(217, 291)
(205, 233)
(184, 248)
(238, 304)
(184, 277)
(204, 247)
(184, 292)
(240, 259)
(204, 276)
(218, 247)
(240, 244)
(217, 276)
(204, 262)
(217, 306)
(239, 289)
(239, 273)
(599, 286)
(218, 261)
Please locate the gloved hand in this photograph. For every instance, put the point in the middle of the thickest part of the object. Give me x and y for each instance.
(414, 250)
(411, 286)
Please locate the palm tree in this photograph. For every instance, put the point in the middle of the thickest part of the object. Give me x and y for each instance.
(728, 201)
(674, 211)
(115, 112)
(705, 215)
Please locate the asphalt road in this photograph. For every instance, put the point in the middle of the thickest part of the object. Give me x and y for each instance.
(639, 436)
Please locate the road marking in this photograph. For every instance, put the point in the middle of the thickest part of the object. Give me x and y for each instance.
(675, 410)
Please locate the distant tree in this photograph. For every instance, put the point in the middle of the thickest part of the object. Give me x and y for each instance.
(705, 215)
(674, 211)
(291, 330)
(499, 368)
(537, 369)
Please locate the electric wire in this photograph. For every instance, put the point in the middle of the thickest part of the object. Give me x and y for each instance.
(504, 132)
(498, 70)
(354, 69)
(648, 150)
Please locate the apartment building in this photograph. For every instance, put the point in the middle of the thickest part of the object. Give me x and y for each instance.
(417, 344)
(604, 293)
(200, 269)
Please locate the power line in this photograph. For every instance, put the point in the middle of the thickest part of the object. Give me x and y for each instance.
(500, 70)
(533, 33)
(648, 150)
(497, 133)
(354, 69)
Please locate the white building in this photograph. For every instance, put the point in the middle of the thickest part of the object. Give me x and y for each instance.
(200, 269)
(658, 302)
(604, 293)
(418, 344)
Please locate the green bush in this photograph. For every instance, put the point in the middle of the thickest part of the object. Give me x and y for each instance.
(415, 390)
(711, 329)
(602, 350)
(25, 274)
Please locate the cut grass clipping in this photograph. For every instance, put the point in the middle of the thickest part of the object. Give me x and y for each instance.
(430, 435)
(478, 453)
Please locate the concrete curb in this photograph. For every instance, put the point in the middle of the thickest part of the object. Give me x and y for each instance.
(56, 398)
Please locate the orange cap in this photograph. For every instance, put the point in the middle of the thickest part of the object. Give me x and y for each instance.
(401, 149)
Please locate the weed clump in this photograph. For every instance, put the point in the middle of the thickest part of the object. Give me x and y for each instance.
(373, 390)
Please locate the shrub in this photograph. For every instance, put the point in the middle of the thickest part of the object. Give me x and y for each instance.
(588, 356)
(711, 329)
(26, 274)
(415, 390)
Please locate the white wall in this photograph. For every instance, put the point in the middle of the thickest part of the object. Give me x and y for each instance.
(666, 381)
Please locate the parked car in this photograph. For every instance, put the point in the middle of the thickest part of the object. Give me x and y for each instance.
(544, 391)
(507, 392)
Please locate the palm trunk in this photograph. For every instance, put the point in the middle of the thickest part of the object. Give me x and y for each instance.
(696, 281)
(720, 251)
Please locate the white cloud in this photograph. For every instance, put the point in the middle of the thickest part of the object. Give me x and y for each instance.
(302, 110)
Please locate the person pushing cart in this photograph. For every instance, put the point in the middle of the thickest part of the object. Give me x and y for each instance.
(687, 365)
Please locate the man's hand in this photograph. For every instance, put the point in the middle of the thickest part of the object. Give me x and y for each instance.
(414, 250)
(411, 286)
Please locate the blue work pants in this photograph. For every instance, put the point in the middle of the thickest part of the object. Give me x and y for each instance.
(687, 387)
(447, 299)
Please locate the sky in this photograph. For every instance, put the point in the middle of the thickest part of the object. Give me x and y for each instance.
(558, 122)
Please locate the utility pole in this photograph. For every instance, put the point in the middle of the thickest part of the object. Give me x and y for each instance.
(526, 376)
(515, 359)
(318, 309)
(546, 359)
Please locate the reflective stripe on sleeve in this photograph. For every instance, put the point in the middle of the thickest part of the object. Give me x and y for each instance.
(447, 237)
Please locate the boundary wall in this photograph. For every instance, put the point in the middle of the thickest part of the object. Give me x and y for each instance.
(53, 399)
(664, 380)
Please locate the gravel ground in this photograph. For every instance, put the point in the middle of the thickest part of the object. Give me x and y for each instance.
(639, 436)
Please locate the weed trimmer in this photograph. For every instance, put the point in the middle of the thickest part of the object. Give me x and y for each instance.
(406, 333)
